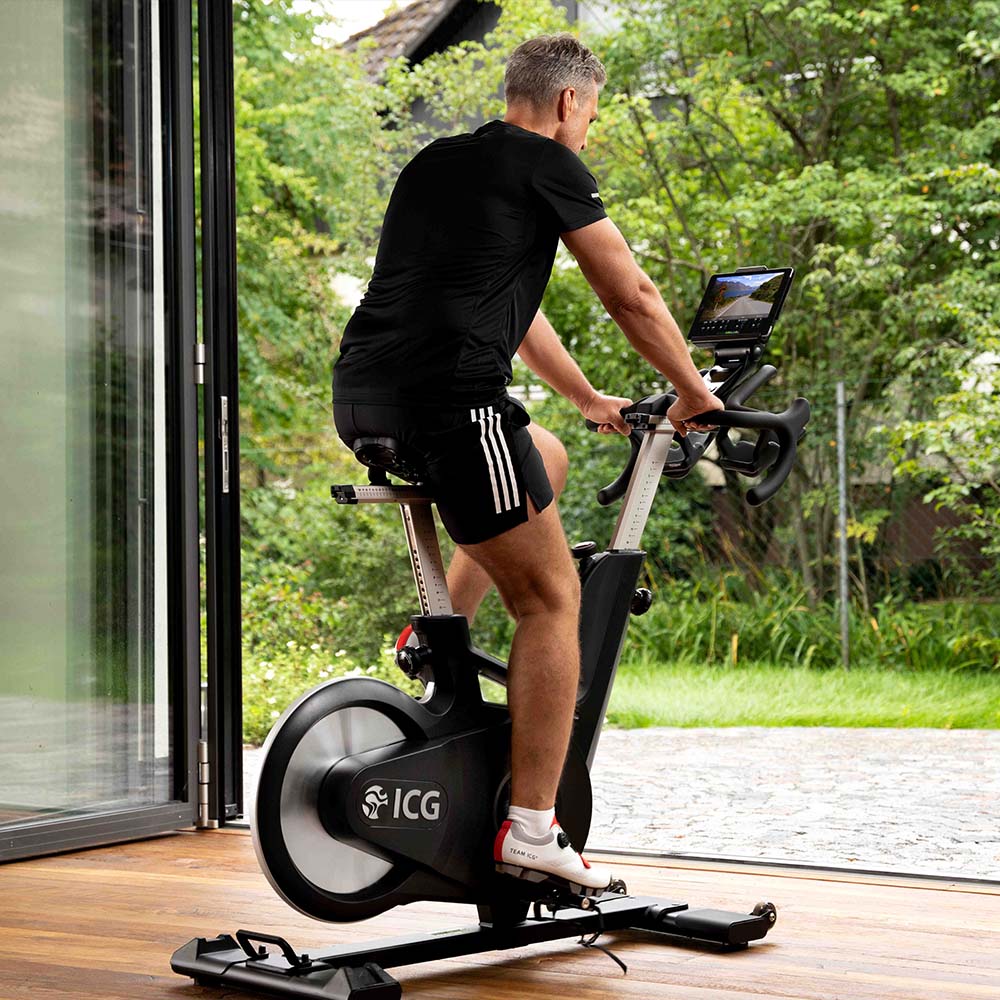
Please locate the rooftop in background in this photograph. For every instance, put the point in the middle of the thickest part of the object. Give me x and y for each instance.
(341, 18)
(406, 31)
(427, 26)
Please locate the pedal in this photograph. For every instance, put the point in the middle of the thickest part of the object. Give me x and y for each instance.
(555, 892)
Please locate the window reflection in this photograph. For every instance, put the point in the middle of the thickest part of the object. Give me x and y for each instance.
(84, 711)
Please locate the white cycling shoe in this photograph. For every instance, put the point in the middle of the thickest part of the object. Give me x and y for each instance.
(548, 859)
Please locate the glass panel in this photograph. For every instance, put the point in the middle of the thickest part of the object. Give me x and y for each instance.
(84, 707)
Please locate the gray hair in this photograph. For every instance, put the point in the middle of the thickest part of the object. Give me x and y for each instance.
(539, 69)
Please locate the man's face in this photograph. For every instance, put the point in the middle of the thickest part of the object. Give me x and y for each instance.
(577, 111)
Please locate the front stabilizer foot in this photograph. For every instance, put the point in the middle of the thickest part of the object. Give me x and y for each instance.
(238, 964)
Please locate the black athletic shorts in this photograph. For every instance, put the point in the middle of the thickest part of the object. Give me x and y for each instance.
(481, 461)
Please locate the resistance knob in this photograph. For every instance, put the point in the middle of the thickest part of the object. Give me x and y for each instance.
(582, 553)
(412, 659)
(641, 601)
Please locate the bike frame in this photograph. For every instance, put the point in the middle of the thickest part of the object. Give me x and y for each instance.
(608, 580)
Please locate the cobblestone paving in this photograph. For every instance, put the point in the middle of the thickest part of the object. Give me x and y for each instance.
(915, 800)
(907, 800)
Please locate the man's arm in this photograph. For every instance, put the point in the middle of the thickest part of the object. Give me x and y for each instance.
(543, 352)
(635, 304)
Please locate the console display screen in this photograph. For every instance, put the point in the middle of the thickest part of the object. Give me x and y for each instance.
(741, 306)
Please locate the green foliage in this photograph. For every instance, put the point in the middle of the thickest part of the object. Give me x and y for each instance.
(855, 144)
(725, 621)
(307, 192)
(270, 685)
(316, 571)
(953, 451)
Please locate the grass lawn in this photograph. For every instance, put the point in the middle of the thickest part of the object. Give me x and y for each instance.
(677, 694)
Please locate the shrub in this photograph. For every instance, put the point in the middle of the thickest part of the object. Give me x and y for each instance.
(721, 621)
(271, 685)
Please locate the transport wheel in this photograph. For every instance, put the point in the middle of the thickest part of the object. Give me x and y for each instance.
(310, 869)
(766, 908)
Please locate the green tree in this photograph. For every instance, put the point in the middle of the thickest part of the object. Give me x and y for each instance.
(308, 172)
(855, 143)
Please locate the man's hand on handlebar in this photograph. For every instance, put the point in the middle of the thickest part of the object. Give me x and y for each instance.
(691, 406)
(606, 411)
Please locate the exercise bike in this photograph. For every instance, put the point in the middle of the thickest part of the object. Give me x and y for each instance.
(371, 798)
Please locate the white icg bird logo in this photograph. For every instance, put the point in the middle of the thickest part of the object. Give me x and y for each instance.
(375, 798)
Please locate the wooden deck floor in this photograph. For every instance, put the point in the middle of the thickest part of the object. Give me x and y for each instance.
(103, 924)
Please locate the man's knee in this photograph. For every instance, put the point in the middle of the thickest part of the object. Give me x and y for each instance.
(531, 566)
(543, 591)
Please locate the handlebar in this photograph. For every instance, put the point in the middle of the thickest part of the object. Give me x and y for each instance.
(787, 426)
(610, 493)
(776, 447)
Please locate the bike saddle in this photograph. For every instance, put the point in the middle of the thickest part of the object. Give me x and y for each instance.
(386, 454)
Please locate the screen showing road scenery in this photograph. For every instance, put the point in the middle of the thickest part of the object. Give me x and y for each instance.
(740, 296)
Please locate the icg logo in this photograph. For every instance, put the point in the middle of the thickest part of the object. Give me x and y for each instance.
(404, 803)
(375, 798)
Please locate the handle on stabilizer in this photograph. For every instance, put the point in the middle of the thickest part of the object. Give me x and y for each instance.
(787, 427)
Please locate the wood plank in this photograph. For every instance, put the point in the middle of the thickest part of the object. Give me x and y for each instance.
(103, 923)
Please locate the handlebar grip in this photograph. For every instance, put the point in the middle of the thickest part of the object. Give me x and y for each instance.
(798, 416)
(610, 493)
(593, 425)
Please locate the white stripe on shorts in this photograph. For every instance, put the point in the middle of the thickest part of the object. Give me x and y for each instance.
(509, 464)
(489, 458)
(498, 462)
(495, 438)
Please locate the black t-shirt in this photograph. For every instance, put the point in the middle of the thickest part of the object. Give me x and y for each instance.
(465, 253)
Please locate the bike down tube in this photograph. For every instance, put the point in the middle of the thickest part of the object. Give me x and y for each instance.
(605, 606)
(608, 586)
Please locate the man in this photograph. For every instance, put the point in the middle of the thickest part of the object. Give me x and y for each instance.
(466, 250)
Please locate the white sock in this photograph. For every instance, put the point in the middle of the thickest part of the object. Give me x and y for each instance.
(535, 822)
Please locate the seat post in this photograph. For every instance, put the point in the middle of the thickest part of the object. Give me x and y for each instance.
(418, 521)
(425, 558)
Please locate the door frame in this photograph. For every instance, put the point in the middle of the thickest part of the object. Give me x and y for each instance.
(221, 415)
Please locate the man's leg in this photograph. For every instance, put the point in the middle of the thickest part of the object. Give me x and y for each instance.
(538, 582)
(537, 579)
(468, 582)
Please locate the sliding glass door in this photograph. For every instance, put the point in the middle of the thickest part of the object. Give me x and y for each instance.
(95, 549)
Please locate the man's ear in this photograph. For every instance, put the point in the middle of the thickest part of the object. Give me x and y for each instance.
(567, 103)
